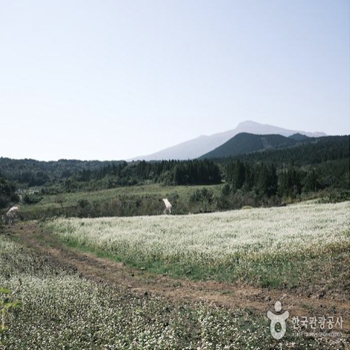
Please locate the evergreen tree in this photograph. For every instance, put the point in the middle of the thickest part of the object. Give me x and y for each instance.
(311, 181)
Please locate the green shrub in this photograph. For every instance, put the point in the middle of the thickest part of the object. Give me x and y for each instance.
(31, 198)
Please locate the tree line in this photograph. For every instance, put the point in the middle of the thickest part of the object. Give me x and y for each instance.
(268, 180)
(281, 173)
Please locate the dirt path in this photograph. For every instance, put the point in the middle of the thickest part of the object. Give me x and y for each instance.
(298, 302)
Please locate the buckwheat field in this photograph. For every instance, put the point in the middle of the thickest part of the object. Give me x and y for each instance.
(278, 248)
(256, 244)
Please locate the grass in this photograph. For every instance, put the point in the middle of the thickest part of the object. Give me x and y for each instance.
(287, 247)
(287, 271)
(160, 191)
(122, 201)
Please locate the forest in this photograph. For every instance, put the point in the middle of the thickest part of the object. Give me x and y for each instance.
(259, 178)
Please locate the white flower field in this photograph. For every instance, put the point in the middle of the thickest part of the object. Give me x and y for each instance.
(296, 246)
(217, 239)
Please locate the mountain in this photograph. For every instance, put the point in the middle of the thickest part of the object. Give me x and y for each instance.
(203, 144)
(266, 129)
(187, 150)
(318, 150)
(248, 143)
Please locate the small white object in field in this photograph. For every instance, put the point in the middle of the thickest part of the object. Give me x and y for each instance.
(12, 214)
(168, 206)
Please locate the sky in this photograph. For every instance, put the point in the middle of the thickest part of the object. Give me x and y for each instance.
(110, 80)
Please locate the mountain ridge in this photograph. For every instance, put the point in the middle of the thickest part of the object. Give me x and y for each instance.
(204, 144)
(244, 143)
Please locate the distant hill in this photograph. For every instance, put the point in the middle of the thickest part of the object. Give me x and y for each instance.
(298, 137)
(37, 173)
(266, 129)
(247, 143)
(313, 151)
(203, 144)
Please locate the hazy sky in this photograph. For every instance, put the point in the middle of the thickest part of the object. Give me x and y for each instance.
(117, 79)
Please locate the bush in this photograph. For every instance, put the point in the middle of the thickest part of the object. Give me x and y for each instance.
(7, 193)
(202, 195)
(226, 190)
(31, 198)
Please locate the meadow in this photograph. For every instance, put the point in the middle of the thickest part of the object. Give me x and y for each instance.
(120, 201)
(301, 244)
(298, 246)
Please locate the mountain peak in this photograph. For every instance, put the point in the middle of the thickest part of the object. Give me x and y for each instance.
(248, 123)
(203, 144)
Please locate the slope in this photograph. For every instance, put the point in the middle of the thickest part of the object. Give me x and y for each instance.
(247, 143)
(203, 144)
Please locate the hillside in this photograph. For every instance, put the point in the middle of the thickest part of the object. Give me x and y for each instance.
(37, 173)
(247, 143)
(203, 144)
(72, 188)
(319, 150)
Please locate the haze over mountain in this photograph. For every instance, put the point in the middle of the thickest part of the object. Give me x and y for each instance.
(203, 144)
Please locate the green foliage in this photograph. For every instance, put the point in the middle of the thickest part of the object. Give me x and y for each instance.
(197, 173)
(8, 304)
(7, 193)
(31, 198)
(311, 182)
(260, 177)
(290, 183)
(335, 196)
(226, 190)
(84, 208)
(202, 195)
(73, 176)
(315, 168)
(315, 151)
(266, 180)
